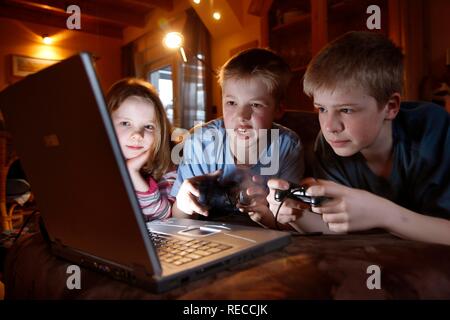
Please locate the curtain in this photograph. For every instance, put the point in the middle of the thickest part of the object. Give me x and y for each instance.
(195, 74)
(192, 90)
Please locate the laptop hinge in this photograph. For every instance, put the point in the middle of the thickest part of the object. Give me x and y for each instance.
(57, 244)
(141, 272)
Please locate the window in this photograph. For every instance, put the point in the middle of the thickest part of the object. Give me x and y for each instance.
(162, 80)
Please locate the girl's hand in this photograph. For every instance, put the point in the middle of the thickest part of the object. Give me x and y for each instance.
(349, 209)
(135, 164)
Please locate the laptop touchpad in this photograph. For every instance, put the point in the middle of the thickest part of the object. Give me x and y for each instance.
(198, 231)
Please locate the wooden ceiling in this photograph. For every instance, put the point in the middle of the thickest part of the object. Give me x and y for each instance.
(102, 17)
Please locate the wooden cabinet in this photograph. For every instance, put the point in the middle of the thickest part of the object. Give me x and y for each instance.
(298, 29)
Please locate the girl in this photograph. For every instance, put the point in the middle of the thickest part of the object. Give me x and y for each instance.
(143, 132)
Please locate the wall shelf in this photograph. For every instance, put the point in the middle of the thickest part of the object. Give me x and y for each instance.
(310, 26)
(301, 21)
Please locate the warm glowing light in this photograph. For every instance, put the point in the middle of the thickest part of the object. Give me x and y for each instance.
(217, 15)
(183, 54)
(196, 1)
(173, 40)
(46, 52)
(47, 40)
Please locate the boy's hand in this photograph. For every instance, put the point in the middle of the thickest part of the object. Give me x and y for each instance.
(291, 209)
(349, 209)
(187, 197)
(257, 208)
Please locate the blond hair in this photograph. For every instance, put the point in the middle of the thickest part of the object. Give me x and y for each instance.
(368, 60)
(262, 63)
(159, 159)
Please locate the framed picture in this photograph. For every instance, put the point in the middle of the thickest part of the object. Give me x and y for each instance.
(23, 65)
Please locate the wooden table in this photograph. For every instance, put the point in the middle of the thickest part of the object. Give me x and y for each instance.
(311, 267)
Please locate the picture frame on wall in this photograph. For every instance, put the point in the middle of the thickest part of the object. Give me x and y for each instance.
(23, 66)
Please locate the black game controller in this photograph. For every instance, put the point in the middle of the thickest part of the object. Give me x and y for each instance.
(297, 192)
(221, 197)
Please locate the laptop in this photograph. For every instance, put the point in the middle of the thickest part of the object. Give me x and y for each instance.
(68, 148)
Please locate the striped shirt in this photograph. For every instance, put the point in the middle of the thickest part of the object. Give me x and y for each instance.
(156, 203)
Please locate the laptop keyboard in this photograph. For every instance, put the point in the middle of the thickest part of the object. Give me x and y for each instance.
(177, 252)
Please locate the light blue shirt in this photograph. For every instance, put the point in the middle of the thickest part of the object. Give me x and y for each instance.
(207, 149)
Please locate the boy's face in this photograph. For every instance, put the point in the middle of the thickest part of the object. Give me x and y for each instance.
(351, 120)
(135, 124)
(247, 107)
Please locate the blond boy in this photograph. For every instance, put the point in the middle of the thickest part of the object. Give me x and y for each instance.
(246, 145)
(384, 163)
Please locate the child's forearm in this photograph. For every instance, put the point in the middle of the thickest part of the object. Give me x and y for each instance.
(154, 205)
(311, 222)
(178, 213)
(138, 182)
(414, 226)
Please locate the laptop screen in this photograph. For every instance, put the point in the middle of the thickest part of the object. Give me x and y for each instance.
(63, 135)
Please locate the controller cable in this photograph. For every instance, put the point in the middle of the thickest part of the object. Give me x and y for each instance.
(279, 207)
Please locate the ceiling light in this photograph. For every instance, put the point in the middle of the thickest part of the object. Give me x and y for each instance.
(173, 40)
(46, 39)
(217, 15)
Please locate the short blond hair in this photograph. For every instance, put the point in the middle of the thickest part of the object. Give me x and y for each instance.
(262, 63)
(159, 160)
(365, 59)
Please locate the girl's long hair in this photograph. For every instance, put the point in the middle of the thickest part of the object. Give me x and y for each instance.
(159, 160)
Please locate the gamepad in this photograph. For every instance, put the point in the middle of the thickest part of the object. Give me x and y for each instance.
(297, 192)
(222, 197)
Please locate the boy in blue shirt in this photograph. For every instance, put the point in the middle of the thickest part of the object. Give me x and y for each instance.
(245, 146)
(384, 164)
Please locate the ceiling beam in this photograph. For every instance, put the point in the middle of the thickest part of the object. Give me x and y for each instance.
(109, 13)
(87, 25)
(259, 8)
(135, 3)
(162, 4)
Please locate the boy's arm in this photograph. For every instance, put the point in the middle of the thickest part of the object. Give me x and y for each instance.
(290, 165)
(178, 213)
(191, 171)
(355, 210)
(293, 214)
(187, 204)
(415, 226)
(310, 222)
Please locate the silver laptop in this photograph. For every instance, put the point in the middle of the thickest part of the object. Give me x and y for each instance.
(68, 148)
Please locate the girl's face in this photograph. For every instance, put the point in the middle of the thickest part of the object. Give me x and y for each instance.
(136, 127)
